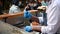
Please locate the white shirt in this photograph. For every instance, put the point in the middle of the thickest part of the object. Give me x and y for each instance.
(14, 9)
(15, 20)
(53, 18)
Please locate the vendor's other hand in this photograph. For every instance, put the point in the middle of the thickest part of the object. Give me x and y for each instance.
(28, 28)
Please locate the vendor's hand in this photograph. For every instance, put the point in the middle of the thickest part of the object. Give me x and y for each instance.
(27, 14)
(28, 28)
(32, 28)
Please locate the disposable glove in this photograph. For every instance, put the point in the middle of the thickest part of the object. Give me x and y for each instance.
(27, 14)
(28, 28)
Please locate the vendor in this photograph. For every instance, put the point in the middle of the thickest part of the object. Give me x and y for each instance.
(33, 5)
(53, 20)
(15, 7)
(39, 2)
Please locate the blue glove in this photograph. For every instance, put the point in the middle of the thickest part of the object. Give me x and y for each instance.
(28, 28)
(27, 14)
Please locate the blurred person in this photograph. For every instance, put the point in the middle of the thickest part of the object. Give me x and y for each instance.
(30, 5)
(15, 9)
(39, 2)
(33, 5)
(45, 2)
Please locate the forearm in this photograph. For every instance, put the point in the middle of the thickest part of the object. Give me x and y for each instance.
(36, 28)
